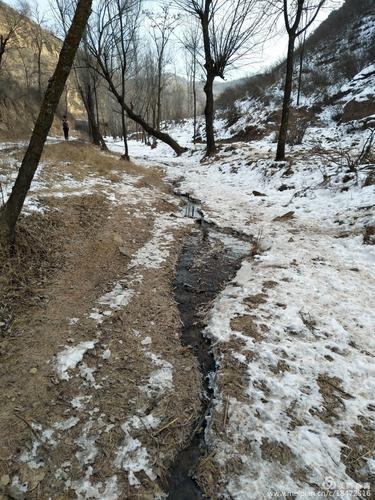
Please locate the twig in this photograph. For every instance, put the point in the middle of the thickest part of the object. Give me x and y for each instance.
(226, 412)
(166, 426)
(28, 425)
(339, 389)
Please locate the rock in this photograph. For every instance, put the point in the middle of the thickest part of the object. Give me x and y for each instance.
(117, 239)
(5, 480)
(355, 110)
(284, 187)
(370, 180)
(123, 251)
(258, 193)
(146, 341)
(284, 217)
(369, 235)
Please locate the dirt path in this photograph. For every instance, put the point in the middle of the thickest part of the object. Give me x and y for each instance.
(98, 395)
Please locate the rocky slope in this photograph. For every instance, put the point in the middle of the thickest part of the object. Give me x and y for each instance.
(337, 73)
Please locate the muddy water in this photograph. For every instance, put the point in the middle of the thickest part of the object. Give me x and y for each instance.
(207, 262)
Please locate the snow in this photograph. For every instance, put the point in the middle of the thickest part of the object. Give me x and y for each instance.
(316, 320)
(84, 489)
(131, 455)
(160, 379)
(156, 250)
(69, 358)
(66, 424)
(361, 87)
(117, 298)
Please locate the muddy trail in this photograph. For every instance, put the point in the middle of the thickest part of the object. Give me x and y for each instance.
(69, 313)
(208, 261)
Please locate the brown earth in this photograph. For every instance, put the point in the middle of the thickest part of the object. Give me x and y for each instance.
(75, 260)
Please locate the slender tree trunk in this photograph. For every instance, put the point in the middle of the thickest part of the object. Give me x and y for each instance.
(40, 72)
(301, 57)
(125, 156)
(10, 212)
(209, 115)
(280, 154)
(90, 109)
(103, 144)
(2, 48)
(167, 139)
(158, 101)
(96, 104)
(194, 103)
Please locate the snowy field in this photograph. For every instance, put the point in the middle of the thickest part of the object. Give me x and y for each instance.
(297, 321)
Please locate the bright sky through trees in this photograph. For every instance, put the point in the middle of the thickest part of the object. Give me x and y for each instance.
(273, 51)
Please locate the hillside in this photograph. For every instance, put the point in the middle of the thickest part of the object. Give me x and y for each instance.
(23, 80)
(336, 68)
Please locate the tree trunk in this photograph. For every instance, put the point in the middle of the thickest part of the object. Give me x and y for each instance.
(3, 43)
(40, 72)
(209, 115)
(125, 156)
(280, 154)
(194, 102)
(95, 134)
(158, 102)
(10, 212)
(167, 139)
(155, 133)
(210, 77)
(301, 57)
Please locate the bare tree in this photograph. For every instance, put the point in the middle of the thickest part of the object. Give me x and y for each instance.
(162, 25)
(191, 42)
(230, 30)
(85, 77)
(38, 34)
(105, 36)
(14, 21)
(302, 49)
(298, 17)
(10, 212)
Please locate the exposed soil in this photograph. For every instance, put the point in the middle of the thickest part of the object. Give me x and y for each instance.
(88, 244)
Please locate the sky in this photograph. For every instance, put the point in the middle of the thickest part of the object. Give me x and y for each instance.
(273, 51)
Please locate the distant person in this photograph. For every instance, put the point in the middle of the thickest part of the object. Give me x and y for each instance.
(65, 126)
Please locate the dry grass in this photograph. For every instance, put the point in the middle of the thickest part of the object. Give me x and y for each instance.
(37, 254)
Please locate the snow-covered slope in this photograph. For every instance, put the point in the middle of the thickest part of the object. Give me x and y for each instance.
(337, 70)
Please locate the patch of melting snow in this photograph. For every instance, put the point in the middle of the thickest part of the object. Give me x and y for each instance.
(80, 401)
(87, 374)
(17, 486)
(69, 358)
(160, 379)
(30, 457)
(156, 250)
(64, 425)
(85, 489)
(131, 455)
(117, 298)
(106, 354)
(146, 341)
(87, 444)
(73, 321)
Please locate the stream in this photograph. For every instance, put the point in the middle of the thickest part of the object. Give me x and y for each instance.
(208, 261)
